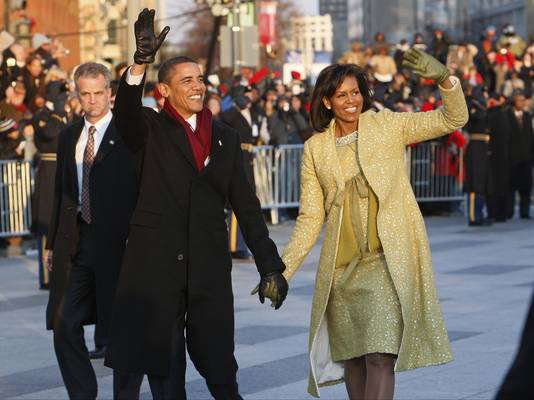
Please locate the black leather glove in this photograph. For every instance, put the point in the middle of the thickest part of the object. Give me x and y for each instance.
(274, 287)
(147, 44)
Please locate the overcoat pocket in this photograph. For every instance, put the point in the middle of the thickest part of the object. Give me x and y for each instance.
(146, 218)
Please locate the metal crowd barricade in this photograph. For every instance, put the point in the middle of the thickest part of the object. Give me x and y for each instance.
(435, 171)
(15, 198)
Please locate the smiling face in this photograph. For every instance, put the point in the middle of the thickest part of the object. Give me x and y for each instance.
(186, 89)
(346, 103)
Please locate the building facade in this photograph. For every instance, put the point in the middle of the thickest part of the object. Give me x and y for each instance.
(310, 36)
(498, 13)
(401, 19)
(338, 12)
(107, 28)
(50, 17)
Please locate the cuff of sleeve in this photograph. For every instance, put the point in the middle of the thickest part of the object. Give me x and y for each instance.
(133, 80)
(455, 82)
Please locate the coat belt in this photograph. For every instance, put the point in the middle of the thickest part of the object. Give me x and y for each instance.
(479, 136)
(48, 156)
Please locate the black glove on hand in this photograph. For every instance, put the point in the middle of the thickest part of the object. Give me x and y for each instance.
(274, 287)
(145, 40)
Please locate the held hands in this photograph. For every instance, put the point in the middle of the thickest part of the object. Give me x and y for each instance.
(145, 39)
(425, 65)
(274, 287)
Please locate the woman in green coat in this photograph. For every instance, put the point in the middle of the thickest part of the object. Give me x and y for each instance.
(375, 307)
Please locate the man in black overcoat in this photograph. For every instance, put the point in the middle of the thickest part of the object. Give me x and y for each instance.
(246, 124)
(47, 123)
(521, 156)
(499, 159)
(176, 273)
(94, 196)
(477, 183)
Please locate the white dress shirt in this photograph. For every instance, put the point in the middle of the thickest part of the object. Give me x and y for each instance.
(101, 127)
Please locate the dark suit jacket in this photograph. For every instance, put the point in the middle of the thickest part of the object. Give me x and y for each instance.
(113, 192)
(499, 151)
(234, 119)
(521, 138)
(178, 245)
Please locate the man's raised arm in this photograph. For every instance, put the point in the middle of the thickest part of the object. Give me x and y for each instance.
(128, 112)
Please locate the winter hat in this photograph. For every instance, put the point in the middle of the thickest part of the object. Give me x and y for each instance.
(7, 125)
(39, 39)
(6, 40)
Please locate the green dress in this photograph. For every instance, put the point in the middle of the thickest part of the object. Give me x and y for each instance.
(363, 311)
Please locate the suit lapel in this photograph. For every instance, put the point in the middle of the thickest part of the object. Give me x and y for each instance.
(178, 137)
(107, 144)
(70, 156)
(217, 144)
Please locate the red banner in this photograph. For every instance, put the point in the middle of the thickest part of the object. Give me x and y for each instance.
(267, 22)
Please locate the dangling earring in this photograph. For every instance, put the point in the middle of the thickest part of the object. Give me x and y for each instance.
(328, 107)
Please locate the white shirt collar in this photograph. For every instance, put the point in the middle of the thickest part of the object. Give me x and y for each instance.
(192, 121)
(102, 124)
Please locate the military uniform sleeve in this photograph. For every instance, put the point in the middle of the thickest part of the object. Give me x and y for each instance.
(58, 189)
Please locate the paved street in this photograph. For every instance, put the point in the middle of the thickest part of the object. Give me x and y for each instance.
(485, 279)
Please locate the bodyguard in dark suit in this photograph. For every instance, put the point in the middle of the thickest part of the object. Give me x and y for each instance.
(521, 156)
(176, 274)
(246, 124)
(95, 193)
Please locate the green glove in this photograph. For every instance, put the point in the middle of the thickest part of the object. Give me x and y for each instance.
(425, 65)
(274, 287)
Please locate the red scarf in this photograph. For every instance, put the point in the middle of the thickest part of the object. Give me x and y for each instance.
(200, 139)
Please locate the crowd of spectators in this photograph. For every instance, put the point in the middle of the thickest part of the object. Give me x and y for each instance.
(34, 86)
(31, 79)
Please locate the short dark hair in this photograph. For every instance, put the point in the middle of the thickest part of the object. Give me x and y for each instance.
(328, 81)
(167, 67)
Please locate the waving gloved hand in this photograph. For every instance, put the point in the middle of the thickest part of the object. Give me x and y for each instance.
(425, 65)
(274, 287)
(145, 39)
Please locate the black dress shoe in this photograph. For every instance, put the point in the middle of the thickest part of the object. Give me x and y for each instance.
(483, 222)
(97, 353)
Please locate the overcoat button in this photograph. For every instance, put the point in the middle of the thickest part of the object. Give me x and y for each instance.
(180, 257)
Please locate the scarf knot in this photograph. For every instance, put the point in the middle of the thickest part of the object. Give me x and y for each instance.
(200, 139)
